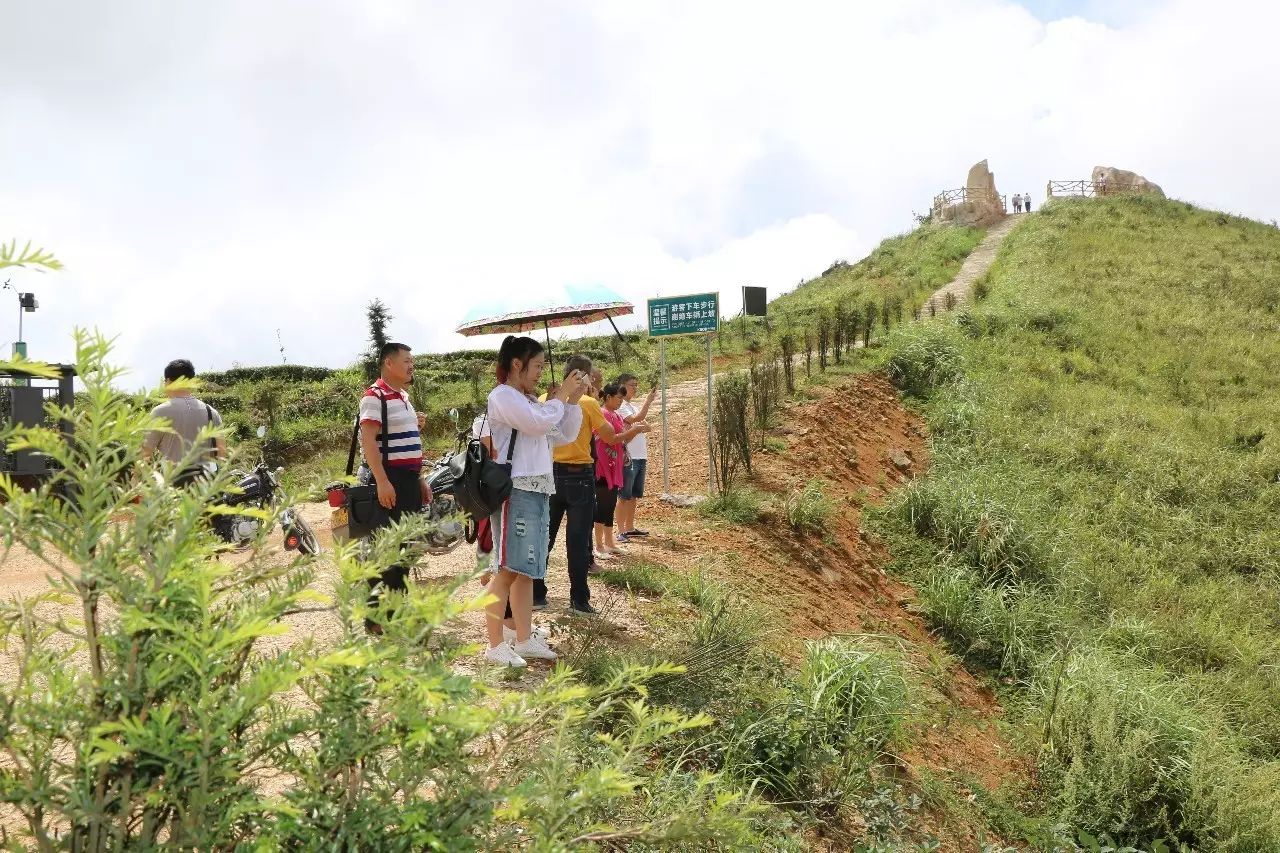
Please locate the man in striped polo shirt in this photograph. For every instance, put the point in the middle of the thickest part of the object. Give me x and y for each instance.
(397, 469)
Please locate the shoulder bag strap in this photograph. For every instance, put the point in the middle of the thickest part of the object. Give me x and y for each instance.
(213, 442)
(351, 455)
(355, 438)
(386, 454)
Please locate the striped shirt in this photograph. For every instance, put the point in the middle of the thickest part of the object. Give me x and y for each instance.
(404, 443)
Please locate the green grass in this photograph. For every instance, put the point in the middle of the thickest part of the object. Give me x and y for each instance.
(808, 508)
(738, 505)
(640, 576)
(907, 268)
(1100, 520)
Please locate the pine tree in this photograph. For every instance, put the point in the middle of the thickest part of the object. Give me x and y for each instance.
(379, 317)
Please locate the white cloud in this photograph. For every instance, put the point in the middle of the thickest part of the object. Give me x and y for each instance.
(211, 173)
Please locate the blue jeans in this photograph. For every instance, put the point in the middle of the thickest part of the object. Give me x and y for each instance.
(575, 496)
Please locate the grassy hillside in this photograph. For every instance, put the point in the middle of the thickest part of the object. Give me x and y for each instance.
(1100, 530)
(905, 269)
(307, 409)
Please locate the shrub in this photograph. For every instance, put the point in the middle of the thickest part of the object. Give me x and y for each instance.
(732, 427)
(286, 373)
(766, 392)
(807, 508)
(923, 357)
(824, 337)
(982, 287)
(868, 323)
(1118, 749)
(787, 344)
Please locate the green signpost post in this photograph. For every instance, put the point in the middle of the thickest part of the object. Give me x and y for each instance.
(695, 314)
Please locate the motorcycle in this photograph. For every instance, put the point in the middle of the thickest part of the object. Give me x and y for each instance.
(450, 526)
(449, 530)
(258, 489)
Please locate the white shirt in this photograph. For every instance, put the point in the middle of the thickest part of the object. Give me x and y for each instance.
(638, 447)
(541, 426)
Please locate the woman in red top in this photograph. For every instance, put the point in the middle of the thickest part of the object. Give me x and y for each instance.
(609, 470)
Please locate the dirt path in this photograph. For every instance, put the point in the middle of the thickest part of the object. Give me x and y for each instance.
(978, 262)
(23, 574)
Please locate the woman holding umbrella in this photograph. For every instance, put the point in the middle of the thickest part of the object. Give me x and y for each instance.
(523, 430)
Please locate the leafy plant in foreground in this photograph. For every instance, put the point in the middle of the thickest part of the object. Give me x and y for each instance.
(161, 697)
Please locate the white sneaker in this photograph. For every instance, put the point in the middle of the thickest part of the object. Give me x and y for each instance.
(540, 632)
(535, 648)
(504, 654)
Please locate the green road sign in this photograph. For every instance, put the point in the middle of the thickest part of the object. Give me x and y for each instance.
(684, 315)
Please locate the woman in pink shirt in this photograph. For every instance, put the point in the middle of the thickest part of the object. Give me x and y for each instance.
(609, 469)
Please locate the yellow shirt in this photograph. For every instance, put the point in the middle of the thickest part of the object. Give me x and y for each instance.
(578, 451)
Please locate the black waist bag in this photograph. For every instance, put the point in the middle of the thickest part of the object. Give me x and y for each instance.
(484, 485)
(362, 500)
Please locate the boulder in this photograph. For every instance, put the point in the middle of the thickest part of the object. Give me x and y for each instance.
(982, 206)
(1109, 179)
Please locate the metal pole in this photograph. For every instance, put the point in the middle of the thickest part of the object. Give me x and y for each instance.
(666, 445)
(711, 456)
(551, 359)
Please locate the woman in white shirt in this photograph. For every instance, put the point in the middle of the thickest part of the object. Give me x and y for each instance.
(521, 528)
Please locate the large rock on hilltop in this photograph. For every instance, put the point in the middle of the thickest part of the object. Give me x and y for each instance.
(1109, 179)
(982, 205)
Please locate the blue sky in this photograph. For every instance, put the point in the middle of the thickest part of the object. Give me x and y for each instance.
(211, 173)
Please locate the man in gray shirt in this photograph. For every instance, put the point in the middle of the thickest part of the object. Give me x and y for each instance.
(187, 415)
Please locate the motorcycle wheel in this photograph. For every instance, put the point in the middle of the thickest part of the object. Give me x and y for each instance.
(307, 542)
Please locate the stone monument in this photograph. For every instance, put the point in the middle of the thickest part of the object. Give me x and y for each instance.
(981, 205)
(1108, 180)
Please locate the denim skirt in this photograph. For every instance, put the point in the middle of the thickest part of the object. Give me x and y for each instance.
(522, 533)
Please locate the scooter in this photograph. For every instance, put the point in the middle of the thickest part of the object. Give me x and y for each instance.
(259, 489)
(449, 531)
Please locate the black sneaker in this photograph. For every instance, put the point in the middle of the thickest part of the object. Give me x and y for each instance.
(582, 610)
(540, 605)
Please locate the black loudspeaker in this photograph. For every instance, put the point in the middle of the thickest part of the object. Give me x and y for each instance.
(755, 302)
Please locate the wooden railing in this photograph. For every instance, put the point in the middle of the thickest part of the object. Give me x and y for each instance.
(1087, 189)
(962, 194)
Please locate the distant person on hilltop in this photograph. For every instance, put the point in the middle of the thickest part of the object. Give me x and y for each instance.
(1017, 203)
(1026, 202)
(1102, 185)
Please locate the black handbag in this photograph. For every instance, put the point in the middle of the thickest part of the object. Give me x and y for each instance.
(361, 500)
(484, 485)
